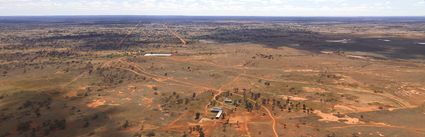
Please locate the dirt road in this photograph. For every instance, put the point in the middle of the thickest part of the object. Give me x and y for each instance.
(219, 90)
(184, 42)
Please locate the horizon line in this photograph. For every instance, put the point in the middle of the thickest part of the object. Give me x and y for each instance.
(77, 15)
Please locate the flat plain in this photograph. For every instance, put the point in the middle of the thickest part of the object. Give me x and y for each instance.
(271, 76)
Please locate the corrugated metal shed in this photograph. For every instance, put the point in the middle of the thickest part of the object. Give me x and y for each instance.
(158, 55)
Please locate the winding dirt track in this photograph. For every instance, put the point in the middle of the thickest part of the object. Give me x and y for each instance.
(220, 90)
(187, 83)
(269, 114)
(141, 71)
(73, 80)
(172, 123)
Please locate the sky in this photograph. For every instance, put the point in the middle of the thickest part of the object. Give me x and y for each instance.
(214, 7)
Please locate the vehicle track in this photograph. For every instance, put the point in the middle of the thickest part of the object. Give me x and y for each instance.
(174, 33)
(219, 90)
(127, 35)
(268, 112)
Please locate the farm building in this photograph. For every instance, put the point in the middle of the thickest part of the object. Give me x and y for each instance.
(158, 55)
(217, 110)
(228, 100)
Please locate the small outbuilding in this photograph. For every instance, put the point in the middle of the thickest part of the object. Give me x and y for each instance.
(217, 110)
(228, 100)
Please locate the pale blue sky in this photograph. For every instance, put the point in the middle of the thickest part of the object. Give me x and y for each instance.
(215, 7)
